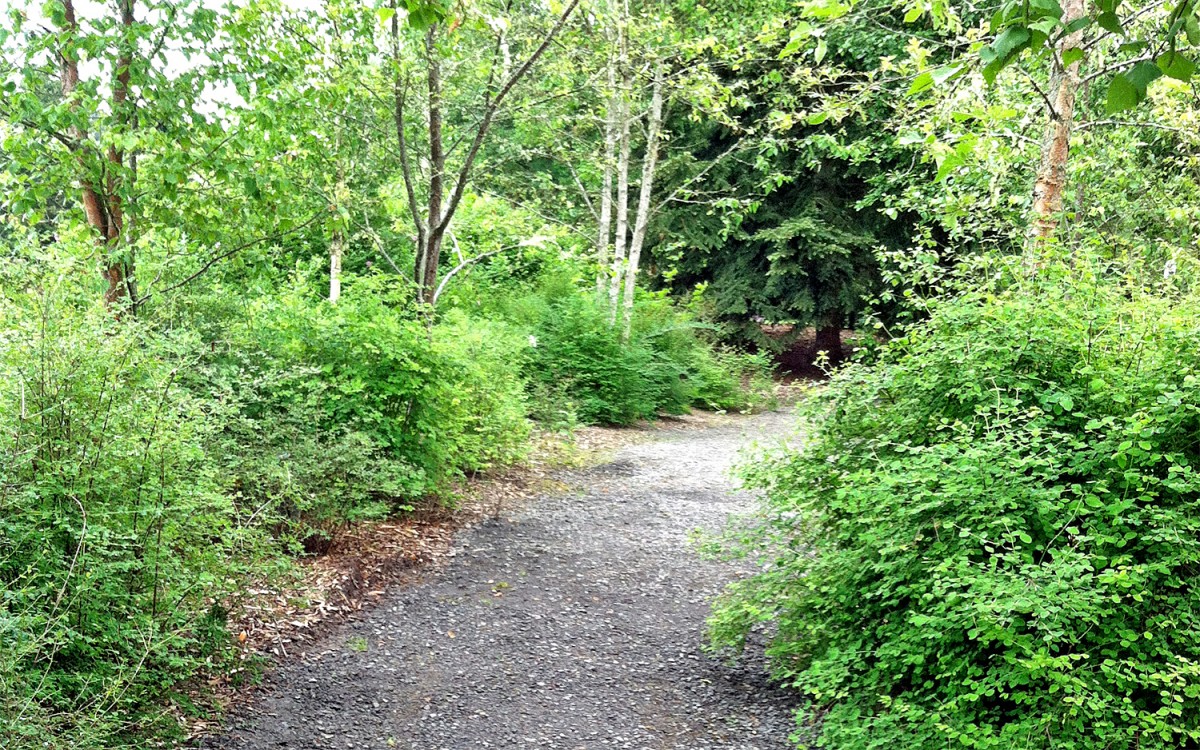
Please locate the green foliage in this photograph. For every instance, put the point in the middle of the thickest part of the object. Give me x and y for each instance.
(726, 379)
(580, 356)
(348, 411)
(115, 540)
(989, 539)
(580, 368)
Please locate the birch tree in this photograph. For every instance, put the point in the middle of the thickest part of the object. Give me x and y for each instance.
(618, 254)
(649, 165)
(1137, 45)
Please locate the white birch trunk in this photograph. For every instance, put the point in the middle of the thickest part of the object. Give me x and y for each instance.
(622, 228)
(649, 164)
(335, 266)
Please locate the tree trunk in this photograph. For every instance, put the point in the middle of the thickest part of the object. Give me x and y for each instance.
(829, 340)
(335, 266)
(120, 271)
(1052, 173)
(649, 164)
(432, 227)
(604, 235)
(101, 197)
(429, 256)
(622, 230)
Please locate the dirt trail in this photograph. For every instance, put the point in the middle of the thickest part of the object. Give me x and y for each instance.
(573, 623)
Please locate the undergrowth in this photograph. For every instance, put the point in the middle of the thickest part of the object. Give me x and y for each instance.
(991, 536)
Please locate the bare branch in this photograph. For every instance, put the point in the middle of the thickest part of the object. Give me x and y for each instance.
(465, 263)
(399, 92)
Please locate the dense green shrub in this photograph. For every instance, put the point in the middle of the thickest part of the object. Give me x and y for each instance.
(582, 368)
(488, 406)
(349, 411)
(726, 379)
(114, 538)
(991, 538)
(580, 356)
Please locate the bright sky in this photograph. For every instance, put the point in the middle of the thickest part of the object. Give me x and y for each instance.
(216, 96)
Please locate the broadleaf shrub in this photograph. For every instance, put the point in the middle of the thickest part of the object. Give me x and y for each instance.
(115, 540)
(582, 364)
(582, 358)
(991, 537)
(336, 413)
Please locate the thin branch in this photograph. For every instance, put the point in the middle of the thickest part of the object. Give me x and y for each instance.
(366, 225)
(468, 262)
(700, 175)
(232, 252)
(493, 105)
(399, 92)
(1119, 66)
(1129, 123)
(1045, 98)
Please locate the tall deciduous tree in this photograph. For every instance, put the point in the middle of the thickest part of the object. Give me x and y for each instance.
(443, 186)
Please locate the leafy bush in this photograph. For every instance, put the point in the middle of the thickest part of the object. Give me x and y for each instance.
(335, 413)
(581, 368)
(730, 380)
(992, 537)
(487, 400)
(580, 357)
(114, 538)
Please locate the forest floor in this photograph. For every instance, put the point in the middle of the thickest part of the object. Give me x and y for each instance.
(573, 619)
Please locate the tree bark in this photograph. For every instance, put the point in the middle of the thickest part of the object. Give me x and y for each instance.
(649, 164)
(335, 266)
(622, 229)
(1052, 173)
(399, 93)
(101, 196)
(432, 228)
(337, 242)
(429, 256)
(829, 340)
(604, 235)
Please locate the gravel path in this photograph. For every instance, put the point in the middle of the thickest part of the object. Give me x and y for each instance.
(574, 623)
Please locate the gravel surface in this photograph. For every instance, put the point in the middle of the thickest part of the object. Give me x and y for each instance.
(574, 622)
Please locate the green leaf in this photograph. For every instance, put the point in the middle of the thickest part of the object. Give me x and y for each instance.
(1071, 56)
(1141, 75)
(251, 186)
(1010, 42)
(950, 72)
(1077, 25)
(1109, 22)
(1066, 402)
(922, 82)
(1121, 95)
(385, 14)
(1191, 28)
(1050, 8)
(913, 14)
(1176, 66)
